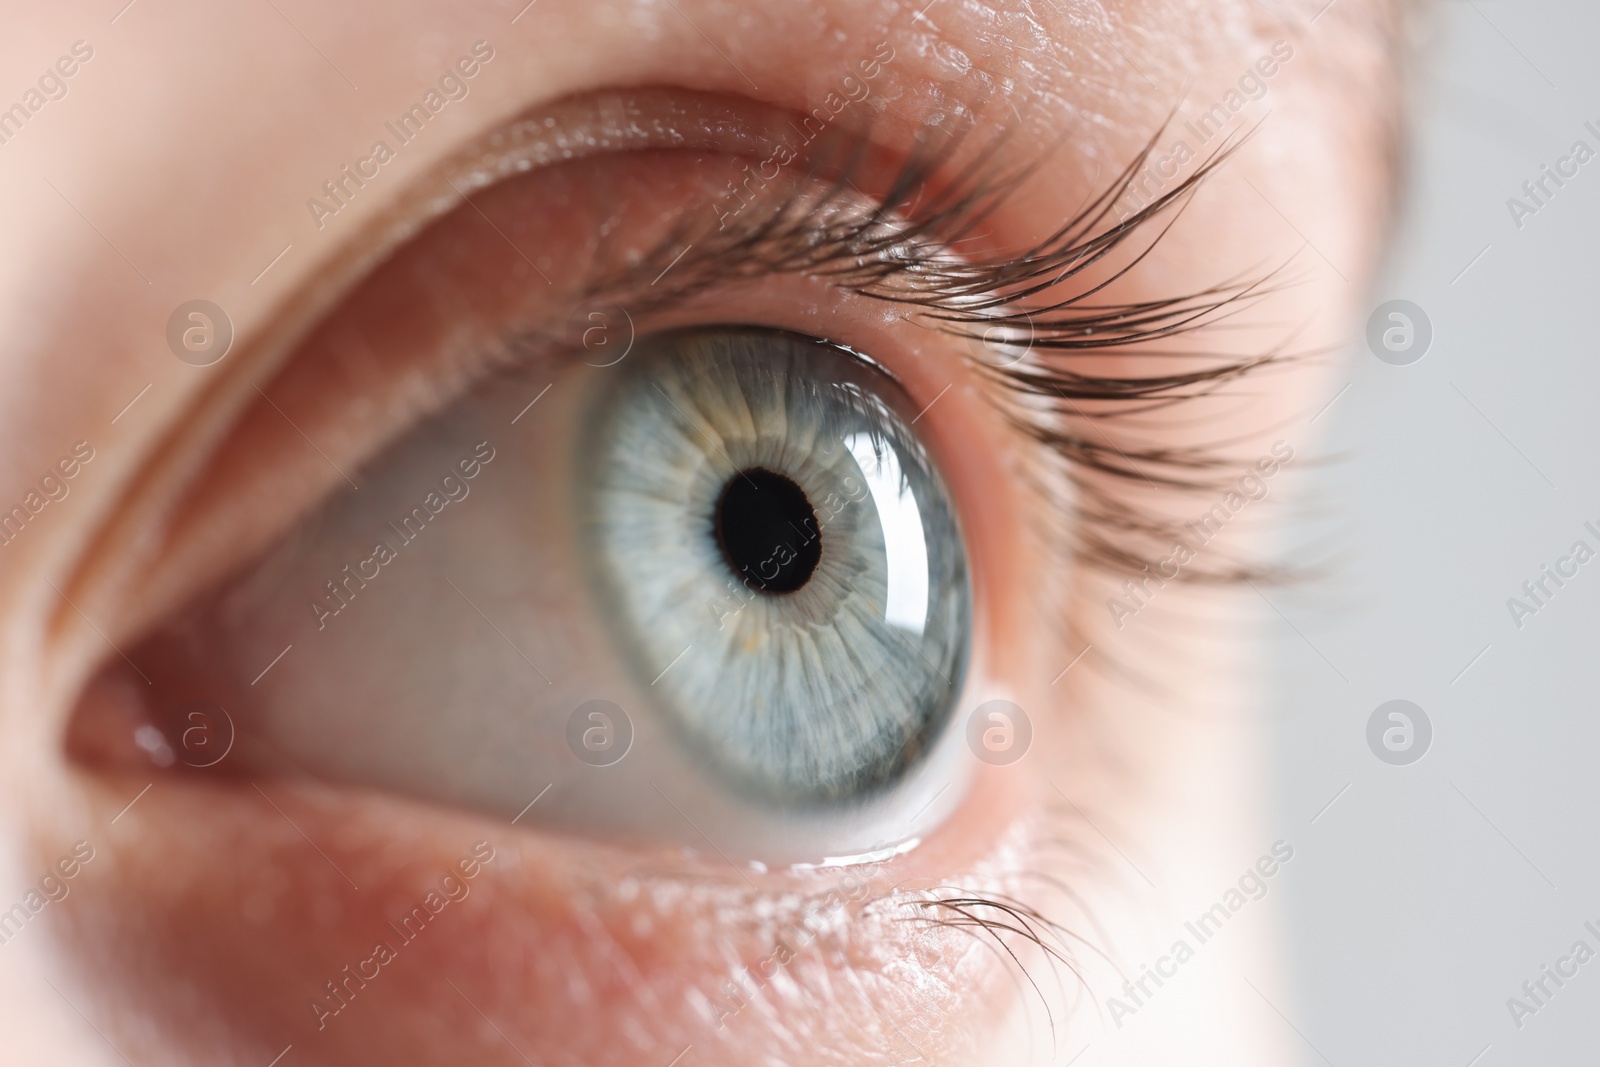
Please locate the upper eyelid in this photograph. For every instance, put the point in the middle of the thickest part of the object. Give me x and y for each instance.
(157, 491)
(472, 175)
(145, 506)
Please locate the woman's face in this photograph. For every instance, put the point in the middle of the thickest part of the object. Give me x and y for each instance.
(456, 611)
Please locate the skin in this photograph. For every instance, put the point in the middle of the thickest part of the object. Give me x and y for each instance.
(205, 923)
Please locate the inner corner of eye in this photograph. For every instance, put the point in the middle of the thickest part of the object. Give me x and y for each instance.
(724, 572)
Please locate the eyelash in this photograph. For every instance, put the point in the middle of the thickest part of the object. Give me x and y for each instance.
(895, 248)
(989, 917)
(879, 253)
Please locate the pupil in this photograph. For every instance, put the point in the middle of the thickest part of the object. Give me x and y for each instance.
(768, 530)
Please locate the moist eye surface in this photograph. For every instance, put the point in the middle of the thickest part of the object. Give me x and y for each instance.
(780, 557)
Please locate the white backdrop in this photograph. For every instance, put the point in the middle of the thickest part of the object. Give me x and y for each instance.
(1426, 894)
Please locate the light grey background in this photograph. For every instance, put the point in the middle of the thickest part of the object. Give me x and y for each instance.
(1425, 895)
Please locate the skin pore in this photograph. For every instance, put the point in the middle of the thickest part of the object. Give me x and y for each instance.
(215, 910)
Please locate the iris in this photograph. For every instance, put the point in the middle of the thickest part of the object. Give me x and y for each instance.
(780, 558)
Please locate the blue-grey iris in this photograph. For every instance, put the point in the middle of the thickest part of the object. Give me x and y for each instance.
(780, 557)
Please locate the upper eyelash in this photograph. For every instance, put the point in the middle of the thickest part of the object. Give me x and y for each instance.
(895, 247)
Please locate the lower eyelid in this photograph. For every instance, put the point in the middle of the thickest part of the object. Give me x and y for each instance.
(546, 929)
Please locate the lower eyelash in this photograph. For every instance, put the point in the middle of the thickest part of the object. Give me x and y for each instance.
(1006, 925)
(995, 920)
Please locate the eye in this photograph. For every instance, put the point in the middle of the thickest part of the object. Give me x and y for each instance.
(720, 587)
(725, 573)
(665, 575)
(782, 559)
